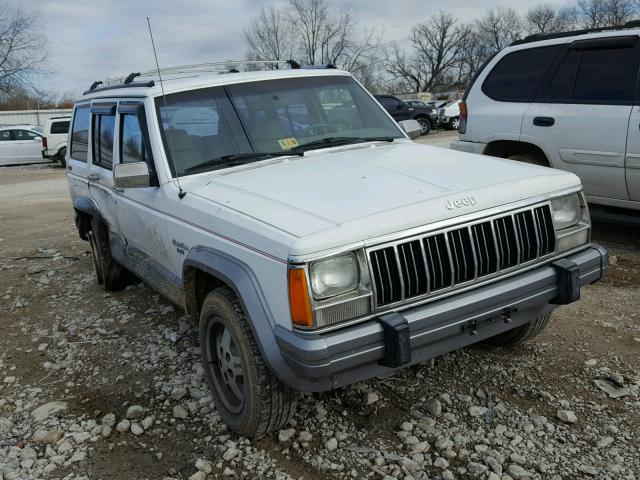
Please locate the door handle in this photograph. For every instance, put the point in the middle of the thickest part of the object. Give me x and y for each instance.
(93, 177)
(544, 121)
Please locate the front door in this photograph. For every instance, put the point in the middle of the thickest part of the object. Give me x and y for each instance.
(100, 175)
(140, 210)
(581, 115)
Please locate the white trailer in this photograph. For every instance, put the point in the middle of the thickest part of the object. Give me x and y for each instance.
(31, 117)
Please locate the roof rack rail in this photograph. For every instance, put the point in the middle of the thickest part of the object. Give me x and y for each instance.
(182, 71)
(537, 37)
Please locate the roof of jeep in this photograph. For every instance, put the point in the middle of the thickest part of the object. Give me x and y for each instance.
(201, 80)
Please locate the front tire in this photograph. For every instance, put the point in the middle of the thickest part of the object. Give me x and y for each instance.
(249, 398)
(111, 275)
(519, 335)
(455, 123)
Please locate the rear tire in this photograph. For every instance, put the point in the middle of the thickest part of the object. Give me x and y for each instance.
(425, 125)
(111, 275)
(249, 398)
(529, 158)
(61, 157)
(519, 335)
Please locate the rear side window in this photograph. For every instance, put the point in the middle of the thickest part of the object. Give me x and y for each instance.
(60, 127)
(593, 76)
(80, 134)
(5, 136)
(517, 76)
(602, 76)
(103, 127)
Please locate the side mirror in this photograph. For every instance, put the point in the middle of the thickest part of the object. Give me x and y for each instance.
(411, 127)
(131, 175)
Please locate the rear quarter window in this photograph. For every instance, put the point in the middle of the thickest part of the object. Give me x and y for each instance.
(517, 76)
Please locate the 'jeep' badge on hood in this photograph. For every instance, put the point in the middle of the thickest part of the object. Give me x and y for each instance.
(462, 202)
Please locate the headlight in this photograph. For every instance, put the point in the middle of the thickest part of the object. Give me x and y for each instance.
(571, 218)
(334, 276)
(566, 211)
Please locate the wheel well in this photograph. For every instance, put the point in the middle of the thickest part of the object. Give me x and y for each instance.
(83, 222)
(508, 148)
(197, 285)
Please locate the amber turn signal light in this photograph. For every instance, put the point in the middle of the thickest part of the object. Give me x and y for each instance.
(299, 302)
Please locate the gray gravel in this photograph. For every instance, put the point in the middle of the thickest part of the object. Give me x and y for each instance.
(97, 385)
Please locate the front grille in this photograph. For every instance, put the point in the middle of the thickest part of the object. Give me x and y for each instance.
(442, 260)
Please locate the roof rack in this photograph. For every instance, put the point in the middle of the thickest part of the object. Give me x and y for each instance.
(550, 36)
(182, 71)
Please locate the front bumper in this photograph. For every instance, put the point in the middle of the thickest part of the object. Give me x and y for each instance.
(325, 361)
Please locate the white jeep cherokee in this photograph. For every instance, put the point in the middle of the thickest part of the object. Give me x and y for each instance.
(313, 243)
(566, 100)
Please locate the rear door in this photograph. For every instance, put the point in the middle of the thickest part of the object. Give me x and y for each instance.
(497, 108)
(581, 115)
(77, 157)
(7, 149)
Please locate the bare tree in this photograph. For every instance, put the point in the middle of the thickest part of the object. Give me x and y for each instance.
(498, 28)
(621, 11)
(601, 13)
(437, 52)
(590, 13)
(21, 47)
(268, 37)
(545, 18)
(322, 36)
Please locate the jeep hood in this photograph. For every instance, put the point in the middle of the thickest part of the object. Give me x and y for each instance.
(340, 196)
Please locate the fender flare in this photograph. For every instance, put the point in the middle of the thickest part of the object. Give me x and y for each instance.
(242, 280)
(84, 205)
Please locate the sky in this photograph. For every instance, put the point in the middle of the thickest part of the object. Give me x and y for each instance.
(95, 39)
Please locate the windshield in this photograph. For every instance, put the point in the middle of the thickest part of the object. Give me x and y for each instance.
(268, 118)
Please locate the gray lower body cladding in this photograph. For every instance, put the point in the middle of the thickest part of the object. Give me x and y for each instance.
(334, 359)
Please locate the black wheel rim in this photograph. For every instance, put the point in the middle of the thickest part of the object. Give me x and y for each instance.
(225, 365)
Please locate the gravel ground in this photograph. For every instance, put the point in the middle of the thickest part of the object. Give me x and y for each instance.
(109, 385)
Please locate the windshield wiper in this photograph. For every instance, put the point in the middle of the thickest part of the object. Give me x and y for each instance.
(236, 159)
(337, 141)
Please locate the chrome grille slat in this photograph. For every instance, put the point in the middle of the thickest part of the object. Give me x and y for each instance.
(443, 260)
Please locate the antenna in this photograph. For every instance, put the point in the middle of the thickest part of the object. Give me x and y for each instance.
(181, 193)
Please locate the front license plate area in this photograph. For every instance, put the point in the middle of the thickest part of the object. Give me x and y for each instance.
(472, 326)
